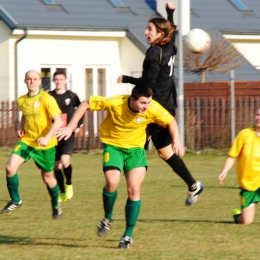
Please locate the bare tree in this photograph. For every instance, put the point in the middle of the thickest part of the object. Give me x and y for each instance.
(220, 57)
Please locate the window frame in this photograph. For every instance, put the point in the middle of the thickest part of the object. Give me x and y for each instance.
(240, 5)
(117, 3)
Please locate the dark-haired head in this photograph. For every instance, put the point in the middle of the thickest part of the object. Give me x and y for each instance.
(141, 91)
(59, 72)
(165, 28)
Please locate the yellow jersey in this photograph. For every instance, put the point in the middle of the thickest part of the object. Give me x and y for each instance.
(246, 148)
(38, 112)
(124, 127)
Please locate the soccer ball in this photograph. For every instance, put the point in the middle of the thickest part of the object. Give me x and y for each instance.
(197, 41)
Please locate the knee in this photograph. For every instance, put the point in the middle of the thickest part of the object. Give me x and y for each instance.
(165, 155)
(245, 221)
(58, 165)
(47, 179)
(111, 185)
(10, 170)
(134, 192)
(160, 154)
(65, 161)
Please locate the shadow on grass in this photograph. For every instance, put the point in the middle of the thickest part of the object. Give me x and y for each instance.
(179, 220)
(74, 243)
(11, 240)
(210, 187)
(186, 221)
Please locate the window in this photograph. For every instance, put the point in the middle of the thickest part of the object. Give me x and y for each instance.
(50, 2)
(97, 84)
(117, 3)
(52, 5)
(240, 5)
(46, 79)
(47, 73)
(97, 78)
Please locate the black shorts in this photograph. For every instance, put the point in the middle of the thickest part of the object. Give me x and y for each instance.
(160, 136)
(65, 147)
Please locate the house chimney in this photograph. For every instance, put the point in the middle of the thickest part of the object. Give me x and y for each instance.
(160, 8)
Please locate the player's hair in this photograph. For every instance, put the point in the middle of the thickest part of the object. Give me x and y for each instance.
(141, 91)
(59, 72)
(165, 27)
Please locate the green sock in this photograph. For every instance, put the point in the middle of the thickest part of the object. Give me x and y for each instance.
(109, 199)
(54, 193)
(132, 209)
(13, 185)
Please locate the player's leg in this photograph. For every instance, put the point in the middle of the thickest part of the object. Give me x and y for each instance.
(112, 166)
(58, 172)
(67, 170)
(248, 204)
(52, 186)
(248, 214)
(45, 160)
(67, 147)
(109, 196)
(135, 168)
(163, 142)
(19, 155)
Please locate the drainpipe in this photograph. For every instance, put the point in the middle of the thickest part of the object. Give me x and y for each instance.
(16, 62)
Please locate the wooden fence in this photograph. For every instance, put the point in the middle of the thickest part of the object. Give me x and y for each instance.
(207, 123)
(208, 120)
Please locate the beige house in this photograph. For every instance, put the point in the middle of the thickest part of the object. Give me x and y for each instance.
(96, 41)
(50, 35)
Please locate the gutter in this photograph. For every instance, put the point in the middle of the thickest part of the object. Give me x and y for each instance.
(16, 62)
(7, 18)
(242, 37)
(81, 33)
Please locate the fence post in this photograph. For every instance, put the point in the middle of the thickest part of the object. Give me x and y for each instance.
(180, 83)
(232, 86)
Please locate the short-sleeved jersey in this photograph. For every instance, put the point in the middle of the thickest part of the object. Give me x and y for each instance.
(38, 112)
(124, 127)
(246, 148)
(67, 102)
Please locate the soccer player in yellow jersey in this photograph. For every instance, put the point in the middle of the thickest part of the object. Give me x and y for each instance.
(123, 135)
(40, 121)
(246, 148)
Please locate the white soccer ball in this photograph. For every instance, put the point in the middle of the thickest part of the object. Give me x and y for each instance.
(197, 41)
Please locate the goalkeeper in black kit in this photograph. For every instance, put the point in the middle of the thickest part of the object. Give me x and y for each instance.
(68, 102)
(158, 70)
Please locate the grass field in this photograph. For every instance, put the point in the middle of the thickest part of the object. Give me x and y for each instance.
(166, 228)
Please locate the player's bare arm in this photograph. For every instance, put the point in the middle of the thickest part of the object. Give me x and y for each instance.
(57, 122)
(227, 166)
(20, 132)
(177, 146)
(66, 132)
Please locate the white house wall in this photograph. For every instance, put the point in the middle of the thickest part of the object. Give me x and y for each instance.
(6, 79)
(250, 50)
(131, 62)
(78, 53)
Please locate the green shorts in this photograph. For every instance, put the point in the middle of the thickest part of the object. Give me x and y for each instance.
(123, 159)
(249, 197)
(44, 159)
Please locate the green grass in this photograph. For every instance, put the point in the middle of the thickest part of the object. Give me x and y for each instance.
(166, 228)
